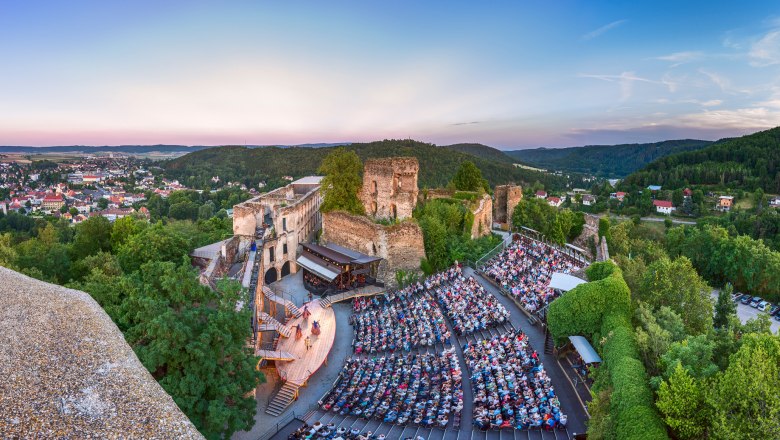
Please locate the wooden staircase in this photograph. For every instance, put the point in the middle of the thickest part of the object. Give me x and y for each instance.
(272, 296)
(268, 322)
(283, 399)
(549, 344)
(325, 303)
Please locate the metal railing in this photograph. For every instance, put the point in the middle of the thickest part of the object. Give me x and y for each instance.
(283, 421)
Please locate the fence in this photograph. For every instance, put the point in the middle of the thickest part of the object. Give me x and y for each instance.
(488, 255)
(284, 421)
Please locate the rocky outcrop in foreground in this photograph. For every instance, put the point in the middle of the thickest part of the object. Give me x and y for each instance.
(67, 372)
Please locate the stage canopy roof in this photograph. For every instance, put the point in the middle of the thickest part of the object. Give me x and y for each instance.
(586, 351)
(340, 254)
(564, 282)
(328, 273)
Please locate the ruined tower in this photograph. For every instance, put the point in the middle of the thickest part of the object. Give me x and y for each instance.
(390, 187)
(507, 198)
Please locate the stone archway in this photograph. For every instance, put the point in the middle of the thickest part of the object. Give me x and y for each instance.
(285, 269)
(271, 275)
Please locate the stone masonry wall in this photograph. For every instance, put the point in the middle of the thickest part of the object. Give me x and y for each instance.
(507, 198)
(400, 245)
(483, 217)
(390, 187)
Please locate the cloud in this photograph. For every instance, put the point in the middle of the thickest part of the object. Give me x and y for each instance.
(766, 50)
(679, 58)
(719, 80)
(595, 33)
(712, 103)
(625, 79)
(466, 123)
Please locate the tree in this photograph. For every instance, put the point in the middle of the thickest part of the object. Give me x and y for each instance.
(604, 228)
(342, 182)
(725, 308)
(63, 209)
(156, 243)
(193, 340)
(124, 228)
(102, 203)
(92, 236)
(677, 285)
(73, 211)
(469, 177)
(746, 397)
(681, 401)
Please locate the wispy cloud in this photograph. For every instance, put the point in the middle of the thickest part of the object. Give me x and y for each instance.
(466, 123)
(679, 58)
(595, 33)
(625, 79)
(711, 103)
(766, 50)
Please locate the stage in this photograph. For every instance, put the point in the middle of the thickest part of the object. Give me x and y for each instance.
(308, 361)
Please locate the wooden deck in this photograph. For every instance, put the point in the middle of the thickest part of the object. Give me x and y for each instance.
(308, 361)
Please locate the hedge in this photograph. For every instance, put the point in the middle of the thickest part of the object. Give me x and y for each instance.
(602, 308)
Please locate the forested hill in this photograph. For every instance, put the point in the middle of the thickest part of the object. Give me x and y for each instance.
(482, 151)
(604, 160)
(269, 164)
(748, 162)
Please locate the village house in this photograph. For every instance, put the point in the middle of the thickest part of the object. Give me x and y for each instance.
(663, 206)
(52, 202)
(775, 202)
(554, 201)
(588, 199)
(541, 194)
(725, 203)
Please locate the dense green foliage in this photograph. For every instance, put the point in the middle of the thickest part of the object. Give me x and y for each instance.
(558, 225)
(194, 205)
(604, 160)
(747, 162)
(469, 178)
(190, 337)
(763, 225)
(341, 182)
(446, 226)
(719, 257)
(601, 310)
(482, 151)
(270, 164)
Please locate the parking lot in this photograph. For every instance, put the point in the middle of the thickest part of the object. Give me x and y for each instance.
(745, 312)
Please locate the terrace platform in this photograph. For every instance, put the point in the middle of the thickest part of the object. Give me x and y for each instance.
(307, 362)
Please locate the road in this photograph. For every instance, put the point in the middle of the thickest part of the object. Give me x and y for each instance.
(656, 219)
(745, 312)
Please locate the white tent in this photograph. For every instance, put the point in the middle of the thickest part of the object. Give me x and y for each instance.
(564, 282)
(586, 351)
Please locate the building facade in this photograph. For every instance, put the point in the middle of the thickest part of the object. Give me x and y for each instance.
(279, 221)
(390, 187)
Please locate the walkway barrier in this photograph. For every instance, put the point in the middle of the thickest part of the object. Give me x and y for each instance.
(283, 421)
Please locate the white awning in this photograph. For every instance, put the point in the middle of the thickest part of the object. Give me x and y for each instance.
(317, 268)
(210, 251)
(586, 351)
(564, 282)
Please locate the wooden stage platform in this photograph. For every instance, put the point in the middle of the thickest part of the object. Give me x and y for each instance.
(307, 362)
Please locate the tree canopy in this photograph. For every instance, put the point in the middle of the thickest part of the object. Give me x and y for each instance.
(341, 182)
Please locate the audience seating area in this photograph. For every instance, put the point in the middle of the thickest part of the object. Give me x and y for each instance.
(511, 387)
(470, 307)
(524, 270)
(400, 325)
(423, 389)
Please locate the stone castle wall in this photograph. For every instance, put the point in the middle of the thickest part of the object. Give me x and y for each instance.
(507, 198)
(483, 217)
(400, 245)
(390, 187)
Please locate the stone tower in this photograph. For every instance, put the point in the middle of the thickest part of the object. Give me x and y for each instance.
(507, 198)
(390, 187)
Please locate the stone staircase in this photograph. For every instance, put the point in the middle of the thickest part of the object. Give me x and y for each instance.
(270, 323)
(283, 399)
(325, 303)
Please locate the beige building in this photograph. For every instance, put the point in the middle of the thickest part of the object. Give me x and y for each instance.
(390, 187)
(283, 219)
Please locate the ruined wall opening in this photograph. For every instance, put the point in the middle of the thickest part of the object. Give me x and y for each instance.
(271, 254)
(285, 269)
(271, 275)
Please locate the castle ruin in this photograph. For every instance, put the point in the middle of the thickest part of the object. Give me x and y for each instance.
(390, 187)
(507, 197)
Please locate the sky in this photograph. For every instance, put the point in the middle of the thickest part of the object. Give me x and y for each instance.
(512, 74)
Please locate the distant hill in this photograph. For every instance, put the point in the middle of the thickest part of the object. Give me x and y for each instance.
(270, 164)
(137, 149)
(482, 151)
(747, 162)
(604, 160)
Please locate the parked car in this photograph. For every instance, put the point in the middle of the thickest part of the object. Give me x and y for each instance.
(773, 311)
(746, 299)
(736, 296)
(764, 306)
(777, 317)
(756, 301)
